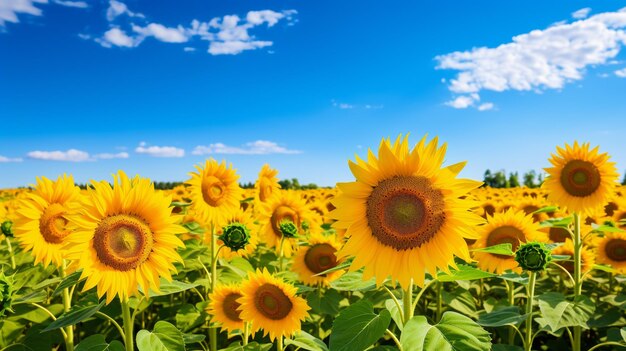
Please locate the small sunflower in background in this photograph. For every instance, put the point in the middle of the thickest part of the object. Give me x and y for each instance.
(510, 227)
(567, 249)
(266, 185)
(611, 250)
(272, 305)
(242, 218)
(581, 180)
(41, 219)
(317, 256)
(224, 307)
(214, 191)
(124, 237)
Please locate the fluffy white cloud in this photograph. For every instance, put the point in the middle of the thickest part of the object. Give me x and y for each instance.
(461, 102)
(189, 49)
(159, 151)
(10, 8)
(259, 147)
(538, 60)
(621, 73)
(118, 8)
(162, 33)
(235, 47)
(108, 156)
(71, 155)
(117, 37)
(486, 106)
(77, 4)
(582, 13)
(4, 159)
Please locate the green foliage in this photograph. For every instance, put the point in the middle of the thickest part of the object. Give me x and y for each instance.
(453, 332)
(164, 337)
(499, 179)
(358, 327)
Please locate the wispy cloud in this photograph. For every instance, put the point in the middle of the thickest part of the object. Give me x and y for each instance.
(538, 60)
(4, 159)
(11, 8)
(348, 106)
(159, 151)
(582, 13)
(71, 155)
(621, 73)
(259, 147)
(118, 8)
(76, 4)
(109, 156)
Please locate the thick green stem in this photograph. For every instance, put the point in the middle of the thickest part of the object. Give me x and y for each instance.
(128, 326)
(530, 292)
(213, 330)
(67, 305)
(510, 289)
(439, 301)
(246, 333)
(279, 343)
(407, 303)
(578, 282)
(280, 254)
(10, 249)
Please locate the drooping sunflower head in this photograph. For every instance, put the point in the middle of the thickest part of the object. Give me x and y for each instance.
(124, 237)
(266, 185)
(511, 227)
(316, 257)
(215, 191)
(224, 307)
(611, 250)
(41, 218)
(270, 304)
(581, 180)
(404, 214)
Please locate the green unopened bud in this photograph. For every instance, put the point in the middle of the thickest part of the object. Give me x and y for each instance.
(6, 294)
(235, 236)
(533, 256)
(7, 229)
(288, 229)
(305, 226)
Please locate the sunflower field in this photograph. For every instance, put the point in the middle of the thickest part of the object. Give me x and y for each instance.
(408, 256)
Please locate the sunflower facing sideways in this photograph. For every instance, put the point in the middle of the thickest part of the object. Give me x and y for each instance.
(266, 185)
(611, 250)
(316, 257)
(580, 180)
(214, 191)
(124, 237)
(404, 214)
(270, 304)
(224, 307)
(510, 227)
(40, 220)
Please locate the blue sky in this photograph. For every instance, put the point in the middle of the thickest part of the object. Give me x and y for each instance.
(155, 87)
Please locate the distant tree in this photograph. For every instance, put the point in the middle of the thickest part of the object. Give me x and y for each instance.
(529, 179)
(514, 180)
(248, 185)
(624, 179)
(488, 178)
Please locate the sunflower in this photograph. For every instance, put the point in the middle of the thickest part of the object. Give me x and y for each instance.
(316, 257)
(244, 218)
(125, 236)
(586, 255)
(214, 191)
(611, 250)
(270, 304)
(404, 214)
(510, 227)
(224, 307)
(581, 180)
(266, 185)
(286, 205)
(41, 219)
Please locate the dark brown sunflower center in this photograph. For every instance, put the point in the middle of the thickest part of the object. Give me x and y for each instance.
(213, 191)
(52, 224)
(558, 235)
(506, 234)
(405, 212)
(616, 250)
(580, 178)
(320, 257)
(283, 213)
(231, 307)
(272, 302)
(123, 242)
(489, 210)
(610, 208)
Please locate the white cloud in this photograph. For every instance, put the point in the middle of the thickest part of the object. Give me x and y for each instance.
(4, 159)
(259, 147)
(538, 60)
(582, 13)
(189, 49)
(159, 151)
(77, 4)
(108, 156)
(373, 107)
(10, 8)
(486, 106)
(162, 33)
(461, 102)
(71, 155)
(621, 73)
(117, 8)
(117, 37)
(345, 106)
(84, 36)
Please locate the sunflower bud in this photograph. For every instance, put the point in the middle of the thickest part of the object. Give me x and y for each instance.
(288, 229)
(533, 256)
(6, 294)
(305, 226)
(7, 229)
(235, 236)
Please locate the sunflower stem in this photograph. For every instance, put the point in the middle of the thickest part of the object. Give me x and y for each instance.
(67, 305)
(10, 249)
(280, 254)
(407, 303)
(439, 301)
(213, 330)
(578, 282)
(530, 292)
(246, 333)
(128, 325)
(510, 289)
(279, 343)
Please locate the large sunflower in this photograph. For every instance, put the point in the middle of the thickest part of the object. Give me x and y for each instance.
(224, 307)
(214, 191)
(510, 227)
(404, 214)
(581, 180)
(270, 304)
(287, 205)
(125, 237)
(40, 220)
(316, 257)
(611, 250)
(266, 185)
